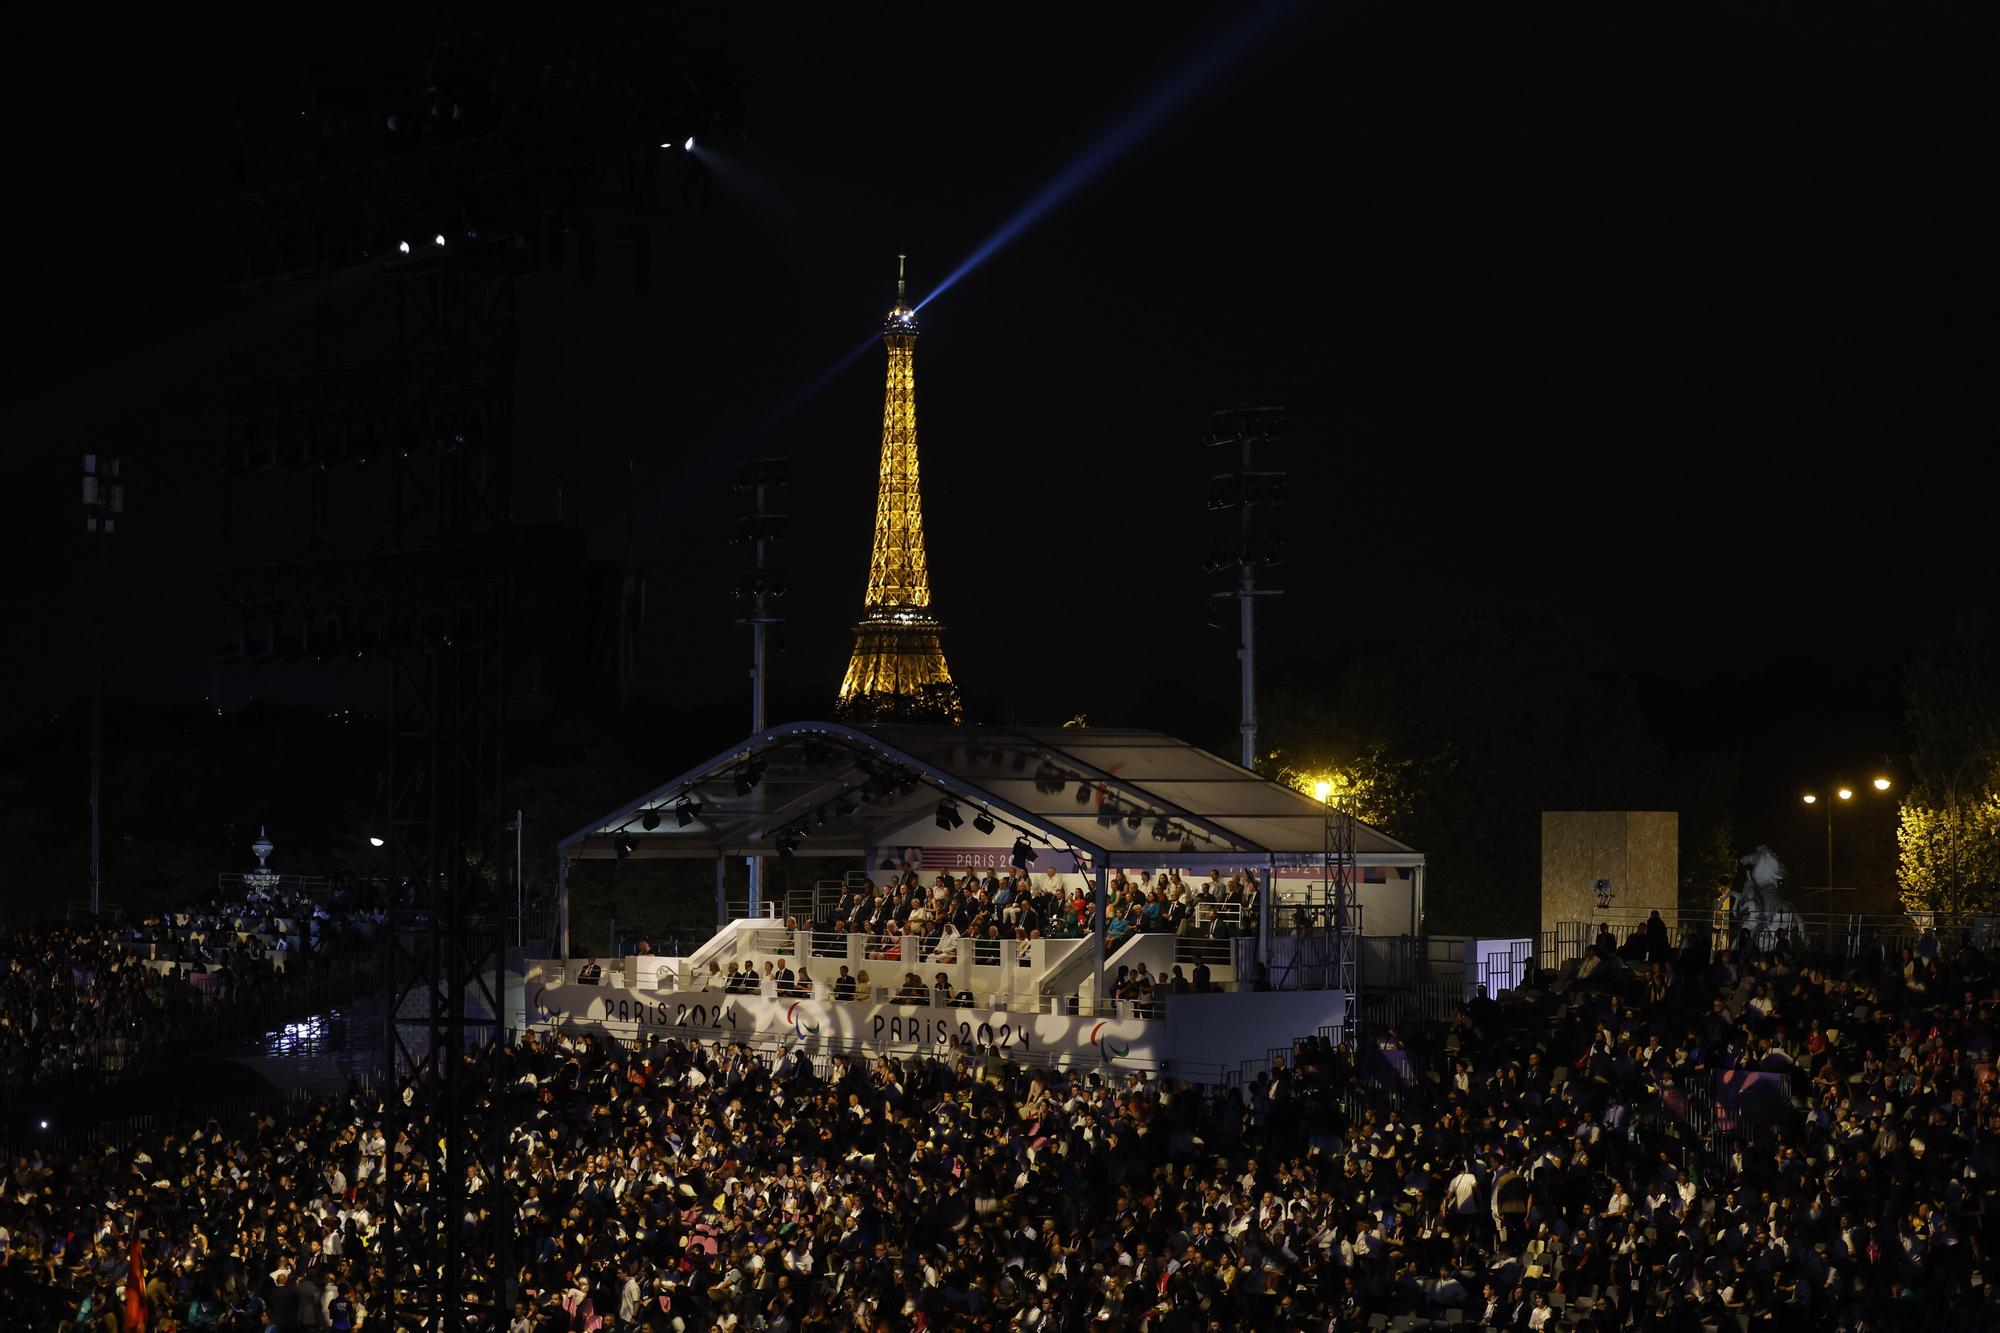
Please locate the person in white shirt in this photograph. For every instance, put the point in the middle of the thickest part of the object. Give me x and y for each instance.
(1464, 1200)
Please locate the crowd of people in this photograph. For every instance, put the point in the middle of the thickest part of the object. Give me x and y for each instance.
(984, 911)
(1660, 1136)
(90, 998)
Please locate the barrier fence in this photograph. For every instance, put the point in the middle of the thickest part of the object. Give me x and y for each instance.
(771, 1049)
(101, 1132)
(1824, 934)
(309, 985)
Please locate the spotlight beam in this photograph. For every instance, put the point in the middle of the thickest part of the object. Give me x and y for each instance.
(1215, 57)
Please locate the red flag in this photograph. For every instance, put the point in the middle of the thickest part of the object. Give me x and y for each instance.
(135, 1291)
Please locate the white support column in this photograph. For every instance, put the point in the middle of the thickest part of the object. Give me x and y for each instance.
(1267, 894)
(562, 906)
(1100, 894)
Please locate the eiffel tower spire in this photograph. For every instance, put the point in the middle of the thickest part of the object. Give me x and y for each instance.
(898, 672)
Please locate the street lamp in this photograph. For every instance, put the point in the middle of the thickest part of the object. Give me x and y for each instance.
(1322, 790)
(1841, 794)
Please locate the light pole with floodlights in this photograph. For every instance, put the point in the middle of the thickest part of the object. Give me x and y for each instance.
(1841, 794)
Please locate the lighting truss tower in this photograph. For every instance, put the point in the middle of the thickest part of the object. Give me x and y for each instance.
(1246, 491)
(1342, 921)
(756, 590)
(898, 672)
(380, 448)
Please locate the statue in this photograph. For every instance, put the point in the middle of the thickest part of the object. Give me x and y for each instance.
(1753, 908)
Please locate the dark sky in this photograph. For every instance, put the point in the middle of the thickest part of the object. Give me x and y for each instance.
(1670, 322)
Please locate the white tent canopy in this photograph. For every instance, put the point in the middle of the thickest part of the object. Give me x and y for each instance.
(1113, 797)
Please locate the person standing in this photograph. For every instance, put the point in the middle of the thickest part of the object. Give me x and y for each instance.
(310, 1300)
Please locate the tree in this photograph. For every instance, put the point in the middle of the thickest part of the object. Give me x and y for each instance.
(1948, 838)
(1948, 859)
(1457, 744)
(1373, 786)
(1702, 787)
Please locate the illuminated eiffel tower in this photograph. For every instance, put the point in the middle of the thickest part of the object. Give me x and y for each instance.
(897, 673)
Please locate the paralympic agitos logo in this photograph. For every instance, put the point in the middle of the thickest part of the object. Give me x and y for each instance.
(1106, 1047)
(804, 1030)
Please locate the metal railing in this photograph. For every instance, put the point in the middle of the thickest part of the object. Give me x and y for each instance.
(1201, 949)
(771, 1048)
(875, 992)
(1832, 934)
(1208, 916)
(121, 1132)
(207, 1026)
(738, 909)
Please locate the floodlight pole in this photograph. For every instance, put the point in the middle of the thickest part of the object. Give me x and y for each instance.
(96, 761)
(757, 649)
(1246, 652)
(1245, 427)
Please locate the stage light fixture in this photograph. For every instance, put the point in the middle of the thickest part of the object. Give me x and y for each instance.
(374, 841)
(625, 846)
(948, 817)
(1187, 844)
(1024, 855)
(689, 145)
(1133, 820)
(787, 841)
(1109, 813)
(1083, 793)
(650, 820)
(439, 241)
(748, 776)
(403, 246)
(846, 808)
(983, 822)
(687, 812)
(1162, 829)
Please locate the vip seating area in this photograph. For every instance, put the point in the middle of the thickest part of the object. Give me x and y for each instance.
(1100, 895)
(982, 936)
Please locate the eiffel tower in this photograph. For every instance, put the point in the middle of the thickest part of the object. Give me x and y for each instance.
(897, 673)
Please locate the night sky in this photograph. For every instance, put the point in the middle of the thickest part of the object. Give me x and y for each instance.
(1670, 324)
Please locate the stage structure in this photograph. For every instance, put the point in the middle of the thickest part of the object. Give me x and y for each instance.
(1075, 799)
(368, 491)
(1077, 805)
(898, 672)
